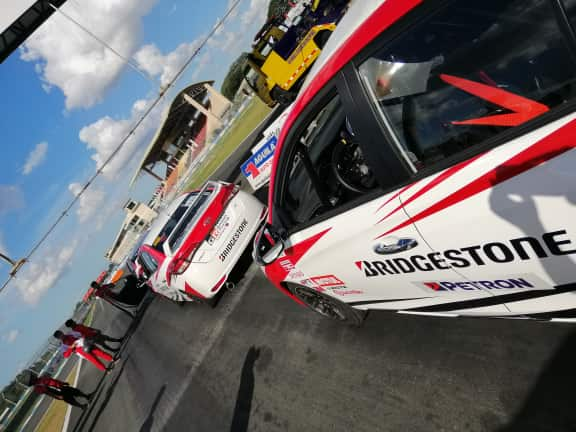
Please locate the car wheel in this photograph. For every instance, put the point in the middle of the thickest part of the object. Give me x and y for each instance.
(322, 37)
(327, 306)
(283, 97)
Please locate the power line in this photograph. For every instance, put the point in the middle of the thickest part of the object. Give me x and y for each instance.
(99, 171)
(103, 42)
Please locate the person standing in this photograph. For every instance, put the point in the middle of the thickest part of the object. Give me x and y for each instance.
(57, 389)
(83, 348)
(92, 335)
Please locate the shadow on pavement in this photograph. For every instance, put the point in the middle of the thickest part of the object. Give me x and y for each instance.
(105, 401)
(550, 406)
(140, 312)
(147, 425)
(245, 392)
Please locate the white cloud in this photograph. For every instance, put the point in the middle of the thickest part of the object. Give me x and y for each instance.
(73, 61)
(11, 198)
(201, 62)
(11, 336)
(104, 135)
(150, 59)
(89, 201)
(256, 12)
(35, 158)
(38, 276)
(228, 42)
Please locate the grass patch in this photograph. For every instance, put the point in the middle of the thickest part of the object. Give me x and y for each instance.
(55, 415)
(244, 124)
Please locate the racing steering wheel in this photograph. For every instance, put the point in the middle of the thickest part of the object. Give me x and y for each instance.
(349, 166)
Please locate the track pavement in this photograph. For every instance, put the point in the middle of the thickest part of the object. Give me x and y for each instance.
(259, 362)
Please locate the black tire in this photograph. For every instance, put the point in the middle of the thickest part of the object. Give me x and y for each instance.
(322, 37)
(327, 306)
(281, 96)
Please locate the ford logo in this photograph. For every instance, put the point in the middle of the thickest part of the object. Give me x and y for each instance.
(392, 245)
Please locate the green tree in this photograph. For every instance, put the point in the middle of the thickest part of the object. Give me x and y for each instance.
(278, 8)
(234, 77)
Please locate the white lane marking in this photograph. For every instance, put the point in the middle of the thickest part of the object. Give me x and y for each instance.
(34, 408)
(41, 398)
(69, 408)
(238, 292)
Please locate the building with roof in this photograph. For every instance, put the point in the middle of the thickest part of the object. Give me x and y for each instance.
(138, 218)
(186, 125)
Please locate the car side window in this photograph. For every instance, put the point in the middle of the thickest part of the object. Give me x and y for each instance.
(469, 72)
(148, 262)
(325, 168)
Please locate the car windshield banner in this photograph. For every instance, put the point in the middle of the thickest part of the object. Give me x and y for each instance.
(258, 167)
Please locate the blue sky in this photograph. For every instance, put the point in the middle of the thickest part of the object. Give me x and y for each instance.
(66, 103)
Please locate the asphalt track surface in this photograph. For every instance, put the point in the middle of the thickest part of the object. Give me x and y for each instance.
(258, 362)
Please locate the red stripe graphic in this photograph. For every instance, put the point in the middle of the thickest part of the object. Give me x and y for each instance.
(523, 109)
(441, 178)
(279, 269)
(396, 195)
(549, 147)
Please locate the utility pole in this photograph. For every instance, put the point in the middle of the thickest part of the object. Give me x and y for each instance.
(15, 264)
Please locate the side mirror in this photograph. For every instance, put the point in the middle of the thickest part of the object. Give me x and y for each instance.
(268, 245)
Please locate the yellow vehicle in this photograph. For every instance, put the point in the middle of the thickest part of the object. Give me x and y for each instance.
(283, 51)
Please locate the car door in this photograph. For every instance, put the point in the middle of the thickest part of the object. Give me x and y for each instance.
(478, 97)
(331, 204)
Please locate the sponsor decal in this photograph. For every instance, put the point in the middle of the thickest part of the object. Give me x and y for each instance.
(287, 265)
(513, 250)
(233, 240)
(392, 245)
(257, 168)
(327, 281)
(219, 228)
(344, 292)
(503, 283)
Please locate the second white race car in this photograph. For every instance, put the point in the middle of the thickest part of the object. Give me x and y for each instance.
(195, 243)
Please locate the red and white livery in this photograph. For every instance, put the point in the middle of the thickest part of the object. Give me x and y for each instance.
(428, 165)
(197, 240)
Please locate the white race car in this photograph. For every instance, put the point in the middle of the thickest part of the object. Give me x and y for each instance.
(195, 242)
(428, 165)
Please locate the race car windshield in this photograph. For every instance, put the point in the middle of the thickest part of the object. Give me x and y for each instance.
(189, 220)
(148, 262)
(172, 222)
